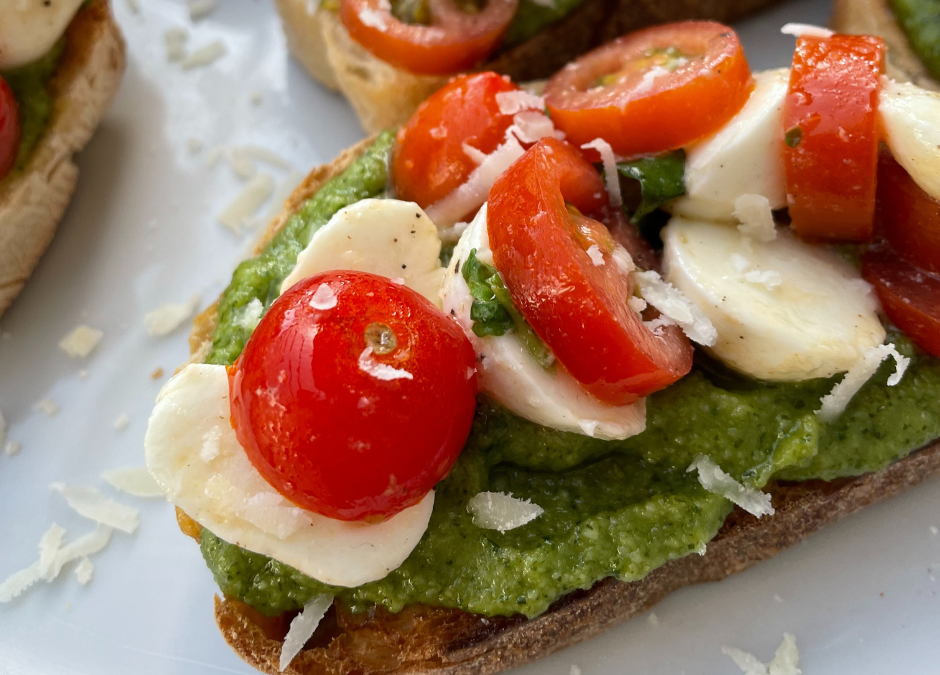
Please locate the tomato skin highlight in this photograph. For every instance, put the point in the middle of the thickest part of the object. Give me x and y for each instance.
(910, 296)
(456, 40)
(320, 421)
(832, 130)
(578, 308)
(908, 217)
(9, 128)
(642, 115)
(429, 161)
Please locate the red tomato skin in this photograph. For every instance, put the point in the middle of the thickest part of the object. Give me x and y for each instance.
(579, 309)
(677, 109)
(329, 436)
(908, 217)
(910, 296)
(455, 40)
(831, 172)
(9, 128)
(429, 161)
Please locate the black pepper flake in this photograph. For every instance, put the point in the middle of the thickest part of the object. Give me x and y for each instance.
(404, 267)
(458, 267)
(417, 215)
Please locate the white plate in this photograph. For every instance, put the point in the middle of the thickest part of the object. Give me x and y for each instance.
(141, 231)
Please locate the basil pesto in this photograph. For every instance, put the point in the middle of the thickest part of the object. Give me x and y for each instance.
(612, 508)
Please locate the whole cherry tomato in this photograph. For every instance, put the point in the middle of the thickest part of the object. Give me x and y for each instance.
(654, 90)
(430, 159)
(9, 128)
(540, 232)
(456, 39)
(909, 218)
(354, 395)
(832, 134)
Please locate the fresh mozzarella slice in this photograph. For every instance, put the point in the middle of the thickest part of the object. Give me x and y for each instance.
(29, 29)
(745, 157)
(784, 310)
(224, 492)
(388, 237)
(509, 373)
(910, 117)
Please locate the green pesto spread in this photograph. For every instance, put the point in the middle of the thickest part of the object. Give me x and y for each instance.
(30, 85)
(920, 21)
(532, 17)
(612, 508)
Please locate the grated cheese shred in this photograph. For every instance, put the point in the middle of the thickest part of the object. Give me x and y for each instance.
(302, 627)
(717, 482)
(835, 402)
(502, 512)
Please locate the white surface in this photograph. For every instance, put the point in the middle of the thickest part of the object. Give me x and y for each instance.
(148, 610)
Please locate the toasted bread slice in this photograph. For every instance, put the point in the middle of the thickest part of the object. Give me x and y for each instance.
(385, 96)
(428, 640)
(874, 17)
(33, 201)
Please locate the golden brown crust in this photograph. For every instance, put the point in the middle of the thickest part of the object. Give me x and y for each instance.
(874, 17)
(32, 203)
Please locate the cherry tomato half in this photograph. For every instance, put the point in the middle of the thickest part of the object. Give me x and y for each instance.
(455, 40)
(9, 128)
(430, 161)
(832, 134)
(577, 307)
(908, 217)
(354, 395)
(654, 90)
(910, 296)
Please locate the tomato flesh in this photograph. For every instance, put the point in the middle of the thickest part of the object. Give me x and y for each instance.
(354, 395)
(832, 135)
(908, 217)
(430, 161)
(654, 90)
(455, 40)
(9, 128)
(910, 296)
(577, 307)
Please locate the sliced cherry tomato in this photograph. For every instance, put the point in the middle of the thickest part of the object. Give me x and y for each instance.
(908, 217)
(354, 395)
(832, 134)
(577, 307)
(910, 296)
(456, 38)
(9, 128)
(430, 161)
(654, 90)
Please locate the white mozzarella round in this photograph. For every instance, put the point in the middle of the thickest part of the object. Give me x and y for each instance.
(911, 120)
(192, 452)
(28, 30)
(785, 310)
(745, 157)
(388, 237)
(509, 373)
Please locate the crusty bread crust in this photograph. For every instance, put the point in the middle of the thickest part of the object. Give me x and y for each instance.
(874, 17)
(385, 96)
(32, 203)
(429, 640)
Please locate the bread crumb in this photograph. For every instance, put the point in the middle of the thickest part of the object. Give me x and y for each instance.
(169, 316)
(255, 98)
(12, 448)
(575, 670)
(205, 56)
(933, 529)
(122, 422)
(199, 9)
(47, 407)
(157, 373)
(175, 41)
(778, 598)
(81, 341)
(652, 619)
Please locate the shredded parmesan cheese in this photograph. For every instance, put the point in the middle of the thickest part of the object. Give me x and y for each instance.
(302, 627)
(175, 40)
(135, 481)
(247, 203)
(756, 217)
(512, 102)
(769, 279)
(670, 301)
(250, 314)
(122, 422)
(809, 30)
(84, 546)
(718, 482)
(205, 56)
(12, 448)
(16, 583)
(47, 407)
(84, 571)
(49, 545)
(835, 402)
(594, 253)
(323, 298)
(210, 445)
(498, 511)
(785, 662)
(611, 177)
(199, 9)
(81, 341)
(636, 304)
(265, 155)
(380, 371)
(169, 316)
(531, 126)
(91, 503)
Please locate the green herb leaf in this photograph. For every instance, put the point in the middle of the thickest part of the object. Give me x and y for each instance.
(493, 312)
(661, 178)
(793, 137)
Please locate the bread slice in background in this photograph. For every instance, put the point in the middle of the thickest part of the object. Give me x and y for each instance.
(33, 201)
(384, 96)
(442, 641)
(874, 17)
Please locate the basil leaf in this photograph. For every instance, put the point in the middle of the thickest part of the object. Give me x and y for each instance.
(661, 178)
(493, 312)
